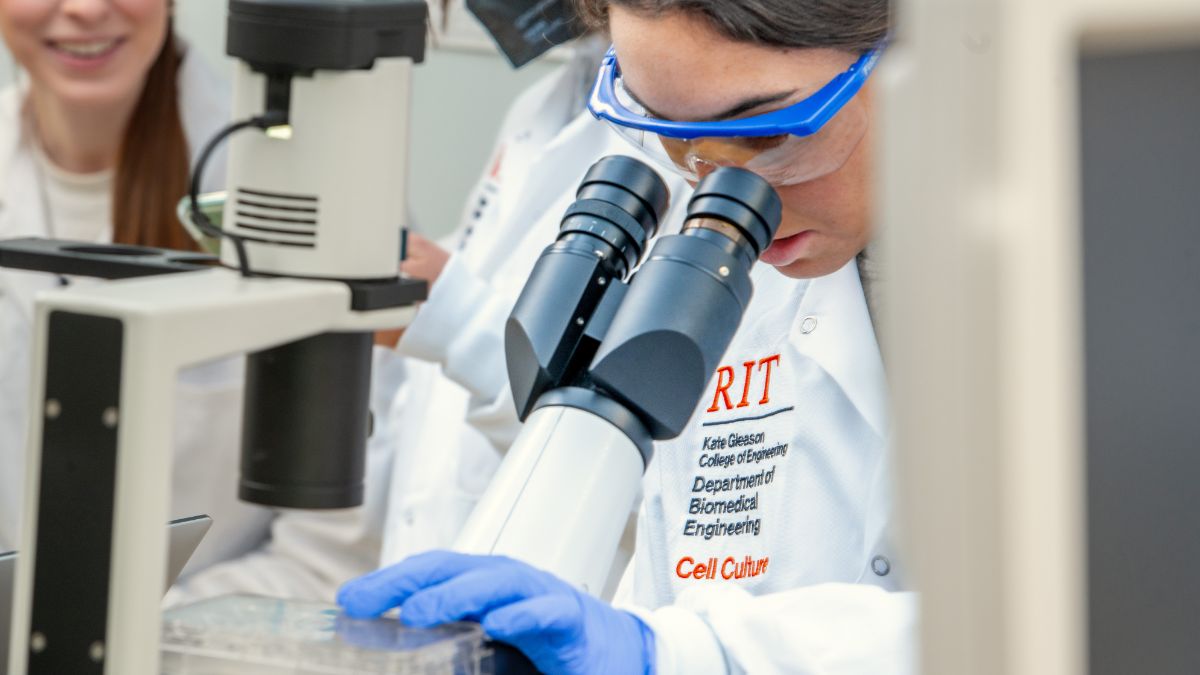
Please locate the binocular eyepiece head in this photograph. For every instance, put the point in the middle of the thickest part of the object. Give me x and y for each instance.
(683, 307)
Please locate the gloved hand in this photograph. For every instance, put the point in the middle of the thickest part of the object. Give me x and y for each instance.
(562, 630)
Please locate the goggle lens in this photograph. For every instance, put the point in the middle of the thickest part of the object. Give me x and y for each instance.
(780, 159)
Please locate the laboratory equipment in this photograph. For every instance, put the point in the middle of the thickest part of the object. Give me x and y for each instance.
(316, 183)
(601, 367)
(250, 635)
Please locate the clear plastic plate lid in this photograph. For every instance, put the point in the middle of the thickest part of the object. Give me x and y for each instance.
(268, 635)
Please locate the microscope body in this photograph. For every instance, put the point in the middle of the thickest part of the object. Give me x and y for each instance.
(318, 202)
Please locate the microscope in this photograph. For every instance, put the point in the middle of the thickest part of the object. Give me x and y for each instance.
(603, 361)
(316, 203)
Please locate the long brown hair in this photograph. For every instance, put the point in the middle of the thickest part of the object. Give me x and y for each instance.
(152, 166)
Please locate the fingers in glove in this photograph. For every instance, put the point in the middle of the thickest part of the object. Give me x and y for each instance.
(375, 593)
(472, 595)
(548, 629)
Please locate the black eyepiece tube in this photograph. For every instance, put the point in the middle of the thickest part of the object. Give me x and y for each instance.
(639, 191)
(620, 202)
(684, 305)
(741, 199)
(602, 239)
(306, 423)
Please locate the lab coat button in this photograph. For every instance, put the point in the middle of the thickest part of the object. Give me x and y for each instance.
(808, 325)
(881, 566)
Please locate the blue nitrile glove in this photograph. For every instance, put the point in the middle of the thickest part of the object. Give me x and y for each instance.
(562, 630)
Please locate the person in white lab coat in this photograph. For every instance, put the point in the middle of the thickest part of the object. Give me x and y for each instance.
(96, 142)
(763, 538)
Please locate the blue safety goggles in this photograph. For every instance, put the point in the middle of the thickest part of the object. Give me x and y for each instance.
(803, 141)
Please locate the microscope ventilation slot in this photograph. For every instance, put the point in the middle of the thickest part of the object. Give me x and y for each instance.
(277, 218)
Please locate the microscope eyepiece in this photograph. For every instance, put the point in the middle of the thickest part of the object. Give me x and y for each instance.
(620, 202)
(630, 185)
(739, 205)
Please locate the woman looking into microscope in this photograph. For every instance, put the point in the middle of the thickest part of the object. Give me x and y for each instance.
(802, 578)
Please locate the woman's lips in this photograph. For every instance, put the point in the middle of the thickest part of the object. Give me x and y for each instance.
(90, 54)
(787, 250)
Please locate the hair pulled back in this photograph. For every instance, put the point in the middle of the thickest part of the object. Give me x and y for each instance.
(852, 25)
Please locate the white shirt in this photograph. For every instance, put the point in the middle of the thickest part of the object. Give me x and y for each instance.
(78, 205)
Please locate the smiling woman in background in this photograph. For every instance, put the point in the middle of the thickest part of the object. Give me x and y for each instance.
(103, 124)
(96, 140)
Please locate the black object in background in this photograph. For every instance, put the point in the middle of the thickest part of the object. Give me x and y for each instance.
(1141, 244)
(526, 29)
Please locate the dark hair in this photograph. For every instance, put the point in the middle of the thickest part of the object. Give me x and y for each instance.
(853, 25)
(152, 166)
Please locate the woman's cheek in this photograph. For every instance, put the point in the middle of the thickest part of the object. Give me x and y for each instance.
(22, 22)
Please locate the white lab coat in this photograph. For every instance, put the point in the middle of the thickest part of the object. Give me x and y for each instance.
(250, 548)
(826, 600)
(763, 537)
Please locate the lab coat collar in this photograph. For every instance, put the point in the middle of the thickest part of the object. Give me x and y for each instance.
(842, 341)
(12, 122)
(18, 176)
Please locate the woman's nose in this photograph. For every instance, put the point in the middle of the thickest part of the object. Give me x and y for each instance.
(702, 167)
(86, 11)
